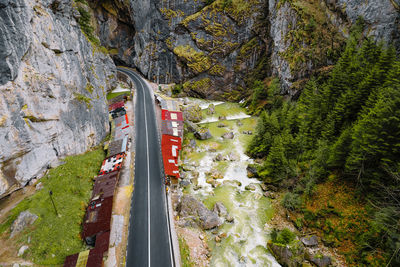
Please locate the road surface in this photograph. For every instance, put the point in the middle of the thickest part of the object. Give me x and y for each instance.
(149, 242)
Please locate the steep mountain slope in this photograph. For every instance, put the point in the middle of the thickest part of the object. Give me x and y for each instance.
(216, 49)
(52, 88)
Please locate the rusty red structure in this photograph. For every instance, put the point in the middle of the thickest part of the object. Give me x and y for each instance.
(114, 106)
(93, 257)
(97, 219)
(104, 185)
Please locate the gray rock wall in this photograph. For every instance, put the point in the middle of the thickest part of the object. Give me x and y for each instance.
(225, 45)
(52, 95)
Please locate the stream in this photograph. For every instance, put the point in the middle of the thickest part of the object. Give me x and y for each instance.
(245, 240)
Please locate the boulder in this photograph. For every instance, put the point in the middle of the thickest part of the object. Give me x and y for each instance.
(203, 134)
(310, 241)
(287, 256)
(211, 109)
(269, 195)
(187, 167)
(228, 135)
(24, 219)
(39, 186)
(230, 219)
(232, 182)
(251, 187)
(191, 126)
(192, 113)
(221, 118)
(239, 123)
(215, 174)
(233, 157)
(221, 125)
(184, 183)
(252, 171)
(191, 207)
(264, 187)
(318, 259)
(219, 157)
(220, 209)
(22, 250)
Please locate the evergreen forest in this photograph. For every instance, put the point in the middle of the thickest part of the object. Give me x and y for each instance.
(344, 128)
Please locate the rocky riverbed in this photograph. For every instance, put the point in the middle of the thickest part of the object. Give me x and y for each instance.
(219, 210)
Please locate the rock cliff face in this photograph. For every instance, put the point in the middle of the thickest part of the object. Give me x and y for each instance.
(52, 88)
(217, 48)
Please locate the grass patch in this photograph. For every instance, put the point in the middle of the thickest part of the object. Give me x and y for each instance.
(112, 95)
(50, 235)
(225, 109)
(185, 253)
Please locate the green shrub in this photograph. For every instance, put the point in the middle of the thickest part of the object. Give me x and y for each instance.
(292, 201)
(283, 237)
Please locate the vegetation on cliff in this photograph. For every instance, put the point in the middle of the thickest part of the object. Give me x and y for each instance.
(343, 130)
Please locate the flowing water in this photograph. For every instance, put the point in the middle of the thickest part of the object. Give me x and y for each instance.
(246, 239)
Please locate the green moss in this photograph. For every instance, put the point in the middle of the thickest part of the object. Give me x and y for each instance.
(50, 235)
(89, 87)
(197, 61)
(83, 99)
(313, 38)
(200, 86)
(85, 22)
(112, 95)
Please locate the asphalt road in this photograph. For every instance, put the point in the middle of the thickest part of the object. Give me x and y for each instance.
(149, 238)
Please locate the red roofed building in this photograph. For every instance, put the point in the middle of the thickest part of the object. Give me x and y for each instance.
(120, 104)
(97, 218)
(104, 185)
(171, 115)
(112, 164)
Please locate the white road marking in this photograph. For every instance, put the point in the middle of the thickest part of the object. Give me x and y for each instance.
(148, 179)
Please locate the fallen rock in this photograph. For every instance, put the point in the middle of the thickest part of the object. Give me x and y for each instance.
(220, 209)
(192, 143)
(192, 113)
(191, 207)
(233, 156)
(211, 109)
(221, 118)
(228, 135)
(239, 123)
(22, 250)
(215, 174)
(223, 235)
(191, 126)
(310, 241)
(219, 157)
(221, 125)
(269, 195)
(187, 167)
(287, 256)
(184, 183)
(230, 219)
(203, 134)
(251, 187)
(232, 182)
(217, 239)
(264, 187)
(252, 171)
(39, 186)
(24, 219)
(318, 259)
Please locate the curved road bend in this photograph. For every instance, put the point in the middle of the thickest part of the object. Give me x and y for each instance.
(148, 238)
